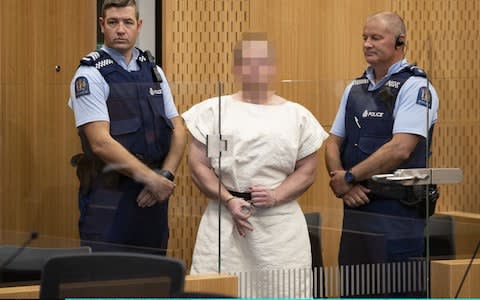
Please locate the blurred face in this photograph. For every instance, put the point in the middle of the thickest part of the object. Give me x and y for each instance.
(120, 28)
(256, 63)
(379, 44)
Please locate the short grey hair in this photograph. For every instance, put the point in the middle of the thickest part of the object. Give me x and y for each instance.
(395, 23)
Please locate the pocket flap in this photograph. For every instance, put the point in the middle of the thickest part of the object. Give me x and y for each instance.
(370, 144)
(120, 127)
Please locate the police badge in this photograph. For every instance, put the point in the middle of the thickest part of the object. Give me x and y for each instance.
(81, 87)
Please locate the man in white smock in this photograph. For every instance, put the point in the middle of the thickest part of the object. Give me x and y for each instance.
(264, 235)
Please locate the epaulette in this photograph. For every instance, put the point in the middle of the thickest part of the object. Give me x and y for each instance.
(417, 71)
(361, 80)
(91, 57)
(95, 59)
(142, 58)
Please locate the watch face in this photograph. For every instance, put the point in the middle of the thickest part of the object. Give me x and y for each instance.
(349, 178)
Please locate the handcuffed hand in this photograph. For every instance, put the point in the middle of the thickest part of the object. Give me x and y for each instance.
(241, 210)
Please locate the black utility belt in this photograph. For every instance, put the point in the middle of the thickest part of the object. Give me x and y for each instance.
(389, 191)
(112, 179)
(411, 195)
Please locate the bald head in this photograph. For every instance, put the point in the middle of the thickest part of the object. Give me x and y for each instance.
(393, 22)
(384, 41)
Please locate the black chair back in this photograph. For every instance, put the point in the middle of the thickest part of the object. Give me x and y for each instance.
(112, 274)
(441, 233)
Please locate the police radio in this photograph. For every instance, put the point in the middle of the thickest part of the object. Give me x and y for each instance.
(155, 72)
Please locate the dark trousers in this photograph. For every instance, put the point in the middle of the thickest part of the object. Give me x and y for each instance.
(381, 253)
(110, 220)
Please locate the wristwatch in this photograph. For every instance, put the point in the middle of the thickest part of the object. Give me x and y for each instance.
(349, 177)
(165, 173)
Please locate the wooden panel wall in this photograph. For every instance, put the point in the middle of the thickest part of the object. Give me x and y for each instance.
(319, 51)
(37, 133)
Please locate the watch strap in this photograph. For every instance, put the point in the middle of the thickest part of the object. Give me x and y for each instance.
(165, 173)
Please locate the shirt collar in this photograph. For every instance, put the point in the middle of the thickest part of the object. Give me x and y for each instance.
(395, 68)
(120, 60)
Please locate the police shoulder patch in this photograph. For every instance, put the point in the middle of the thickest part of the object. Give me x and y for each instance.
(424, 97)
(82, 87)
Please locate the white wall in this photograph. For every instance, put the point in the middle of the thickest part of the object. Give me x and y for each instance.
(146, 40)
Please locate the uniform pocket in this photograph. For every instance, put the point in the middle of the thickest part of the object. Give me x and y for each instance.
(370, 144)
(125, 131)
(158, 108)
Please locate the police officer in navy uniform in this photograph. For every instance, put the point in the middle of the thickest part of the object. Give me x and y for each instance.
(132, 136)
(381, 126)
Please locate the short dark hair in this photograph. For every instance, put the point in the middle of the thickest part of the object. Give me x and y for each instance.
(119, 3)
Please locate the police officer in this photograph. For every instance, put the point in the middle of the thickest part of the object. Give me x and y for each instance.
(132, 139)
(380, 126)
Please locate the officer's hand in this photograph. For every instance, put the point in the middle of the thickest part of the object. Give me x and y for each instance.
(357, 196)
(241, 210)
(146, 199)
(160, 187)
(338, 184)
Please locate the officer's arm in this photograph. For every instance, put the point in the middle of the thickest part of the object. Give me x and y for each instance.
(177, 146)
(388, 157)
(117, 157)
(332, 153)
(335, 167)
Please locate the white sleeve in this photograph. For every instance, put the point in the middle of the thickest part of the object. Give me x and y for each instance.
(338, 126)
(312, 134)
(170, 108)
(410, 111)
(198, 119)
(88, 95)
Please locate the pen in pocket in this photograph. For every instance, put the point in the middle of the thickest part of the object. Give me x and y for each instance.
(358, 123)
